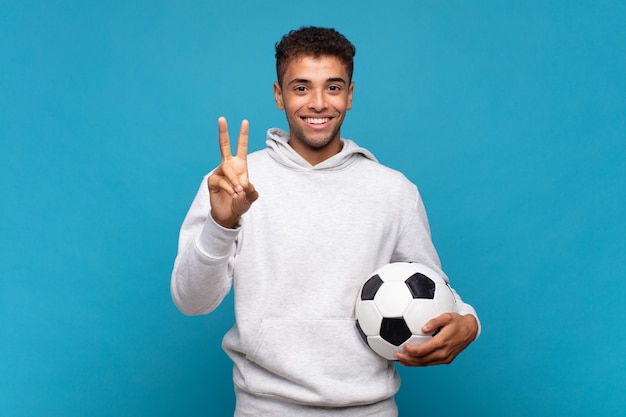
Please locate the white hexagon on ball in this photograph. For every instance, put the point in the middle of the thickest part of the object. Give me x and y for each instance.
(370, 317)
(392, 299)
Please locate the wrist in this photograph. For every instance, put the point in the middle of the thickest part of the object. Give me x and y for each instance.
(229, 223)
(472, 325)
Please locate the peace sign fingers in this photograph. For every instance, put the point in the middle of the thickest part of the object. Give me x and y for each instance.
(224, 139)
(235, 169)
(231, 192)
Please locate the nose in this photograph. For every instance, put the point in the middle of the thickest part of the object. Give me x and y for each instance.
(318, 101)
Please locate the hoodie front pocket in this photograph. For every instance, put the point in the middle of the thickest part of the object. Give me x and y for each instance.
(322, 361)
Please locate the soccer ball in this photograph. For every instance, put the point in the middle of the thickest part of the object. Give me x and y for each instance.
(396, 301)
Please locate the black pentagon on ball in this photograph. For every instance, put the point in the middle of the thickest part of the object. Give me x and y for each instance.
(421, 286)
(361, 332)
(370, 287)
(394, 330)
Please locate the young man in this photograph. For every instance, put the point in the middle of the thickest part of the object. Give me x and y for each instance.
(325, 216)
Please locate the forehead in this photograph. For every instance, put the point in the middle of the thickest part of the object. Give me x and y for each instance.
(315, 68)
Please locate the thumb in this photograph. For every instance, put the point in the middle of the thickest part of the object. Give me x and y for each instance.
(435, 324)
(251, 193)
(243, 200)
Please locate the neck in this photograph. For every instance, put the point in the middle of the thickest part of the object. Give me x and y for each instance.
(314, 155)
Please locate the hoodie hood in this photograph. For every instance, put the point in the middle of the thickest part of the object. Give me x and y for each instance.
(279, 149)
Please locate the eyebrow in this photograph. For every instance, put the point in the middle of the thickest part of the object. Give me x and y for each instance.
(305, 81)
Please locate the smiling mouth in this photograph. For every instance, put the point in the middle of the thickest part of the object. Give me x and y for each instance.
(316, 120)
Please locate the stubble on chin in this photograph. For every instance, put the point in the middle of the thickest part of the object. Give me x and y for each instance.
(313, 143)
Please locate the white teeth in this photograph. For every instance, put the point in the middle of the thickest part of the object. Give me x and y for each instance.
(316, 120)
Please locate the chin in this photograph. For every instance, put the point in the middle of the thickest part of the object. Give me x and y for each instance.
(316, 141)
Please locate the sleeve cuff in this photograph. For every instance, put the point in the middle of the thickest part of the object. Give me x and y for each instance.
(216, 241)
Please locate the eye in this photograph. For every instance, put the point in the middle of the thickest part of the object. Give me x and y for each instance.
(299, 89)
(334, 88)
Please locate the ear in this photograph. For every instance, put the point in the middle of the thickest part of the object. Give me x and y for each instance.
(350, 92)
(278, 96)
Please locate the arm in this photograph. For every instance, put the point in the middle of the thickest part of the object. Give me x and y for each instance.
(457, 330)
(202, 274)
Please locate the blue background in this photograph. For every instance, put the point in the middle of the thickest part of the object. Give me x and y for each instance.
(510, 117)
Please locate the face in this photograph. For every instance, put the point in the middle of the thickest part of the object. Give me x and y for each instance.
(315, 95)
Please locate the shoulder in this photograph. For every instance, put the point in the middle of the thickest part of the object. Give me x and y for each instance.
(367, 161)
(258, 157)
(385, 175)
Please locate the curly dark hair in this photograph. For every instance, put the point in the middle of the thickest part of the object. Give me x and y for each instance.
(316, 42)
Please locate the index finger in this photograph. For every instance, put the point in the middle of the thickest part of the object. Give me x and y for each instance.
(224, 140)
(242, 142)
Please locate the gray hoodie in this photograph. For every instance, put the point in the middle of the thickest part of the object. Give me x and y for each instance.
(296, 261)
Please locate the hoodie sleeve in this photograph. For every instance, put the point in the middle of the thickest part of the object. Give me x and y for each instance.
(202, 274)
(416, 245)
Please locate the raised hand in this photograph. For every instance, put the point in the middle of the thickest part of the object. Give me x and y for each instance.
(231, 192)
